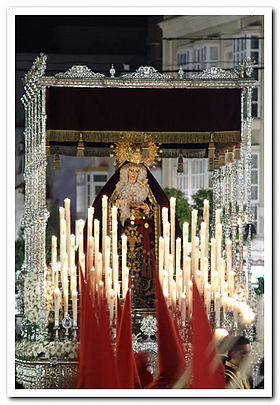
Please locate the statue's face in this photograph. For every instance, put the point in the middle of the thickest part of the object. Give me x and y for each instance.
(133, 173)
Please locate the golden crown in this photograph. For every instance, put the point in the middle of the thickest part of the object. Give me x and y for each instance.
(146, 153)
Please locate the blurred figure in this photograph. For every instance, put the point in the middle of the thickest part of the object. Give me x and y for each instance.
(237, 356)
(260, 378)
(142, 364)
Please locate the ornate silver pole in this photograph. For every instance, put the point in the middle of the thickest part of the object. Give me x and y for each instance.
(248, 164)
(239, 270)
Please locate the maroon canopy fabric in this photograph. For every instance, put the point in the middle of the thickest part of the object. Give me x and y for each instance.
(143, 109)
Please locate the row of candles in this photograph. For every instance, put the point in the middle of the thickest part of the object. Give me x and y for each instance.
(96, 270)
(177, 270)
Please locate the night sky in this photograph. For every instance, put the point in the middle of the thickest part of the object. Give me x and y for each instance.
(82, 34)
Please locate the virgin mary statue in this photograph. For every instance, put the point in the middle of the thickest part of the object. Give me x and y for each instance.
(139, 198)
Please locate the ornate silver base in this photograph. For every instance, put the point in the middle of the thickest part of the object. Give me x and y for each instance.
(45, 374)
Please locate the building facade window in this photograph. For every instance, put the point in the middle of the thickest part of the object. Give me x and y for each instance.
(184, 61)
(197, 59)
(194, 178)
(249, 46)
(95, 182)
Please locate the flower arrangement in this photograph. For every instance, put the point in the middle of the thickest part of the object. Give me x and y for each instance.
(30, 350)
(32, 297)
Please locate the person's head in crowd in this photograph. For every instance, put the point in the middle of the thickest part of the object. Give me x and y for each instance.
(239, 350)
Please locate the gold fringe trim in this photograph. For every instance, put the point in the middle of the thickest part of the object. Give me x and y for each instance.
(223, 137)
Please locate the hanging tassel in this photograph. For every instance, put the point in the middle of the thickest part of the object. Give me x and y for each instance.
(180, 167)
(222, 159)
(211, 148)
(230, 156)
(81, 147)
(56, 162)
(216, 162)
(48, 148)
(237, 152)
(210, 164)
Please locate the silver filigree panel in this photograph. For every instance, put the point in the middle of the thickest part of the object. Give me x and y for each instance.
(146, 72)
(215, 73)
(80, 72)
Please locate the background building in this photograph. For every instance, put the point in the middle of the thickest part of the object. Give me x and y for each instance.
(195, 43)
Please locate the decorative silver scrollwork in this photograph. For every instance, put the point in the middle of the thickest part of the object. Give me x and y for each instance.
(79, 72)
(214, 72)
(149, 326)
(112, 71)
(146, 72)
(245, 67)
(180, 73)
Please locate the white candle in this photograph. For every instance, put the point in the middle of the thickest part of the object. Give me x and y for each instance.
(170, 271)
(218, 244)
(114, 237)
(206, 220)
(229, 259)
(73, 277)
(222, 275)
(65, 295)
(160, 258)
(173, 295)
(125, 285)
(215, 283)
(115, 269)
(62, 238)
(68, 229)
(202, 239)
(217, 309)
(194, 224)
(183, 308)
(109, 281)
(179, 284)
(98, 268)
(96, 240)
(90, 253)
(187, 270)
(81, 223)
(218, 216)
(208, 298)
(185, 243)
(72, 250)
(64, 267)
(195, 254)
(172, 223)
(114, 213)
(124, 251)
(166, 235)
(90, 220)
(178, 254)
(213, 257)
(164, 215)
(89, 230)
(92, 282)
(198, 280)
(82, 263)
(54, 257)
(205, 273)
(165, 282)
(189, 297)
(104, 224)
(107, 253)
(111, 304)
(231, 283)
(61, 213)
(56, 306)
(74, 306)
